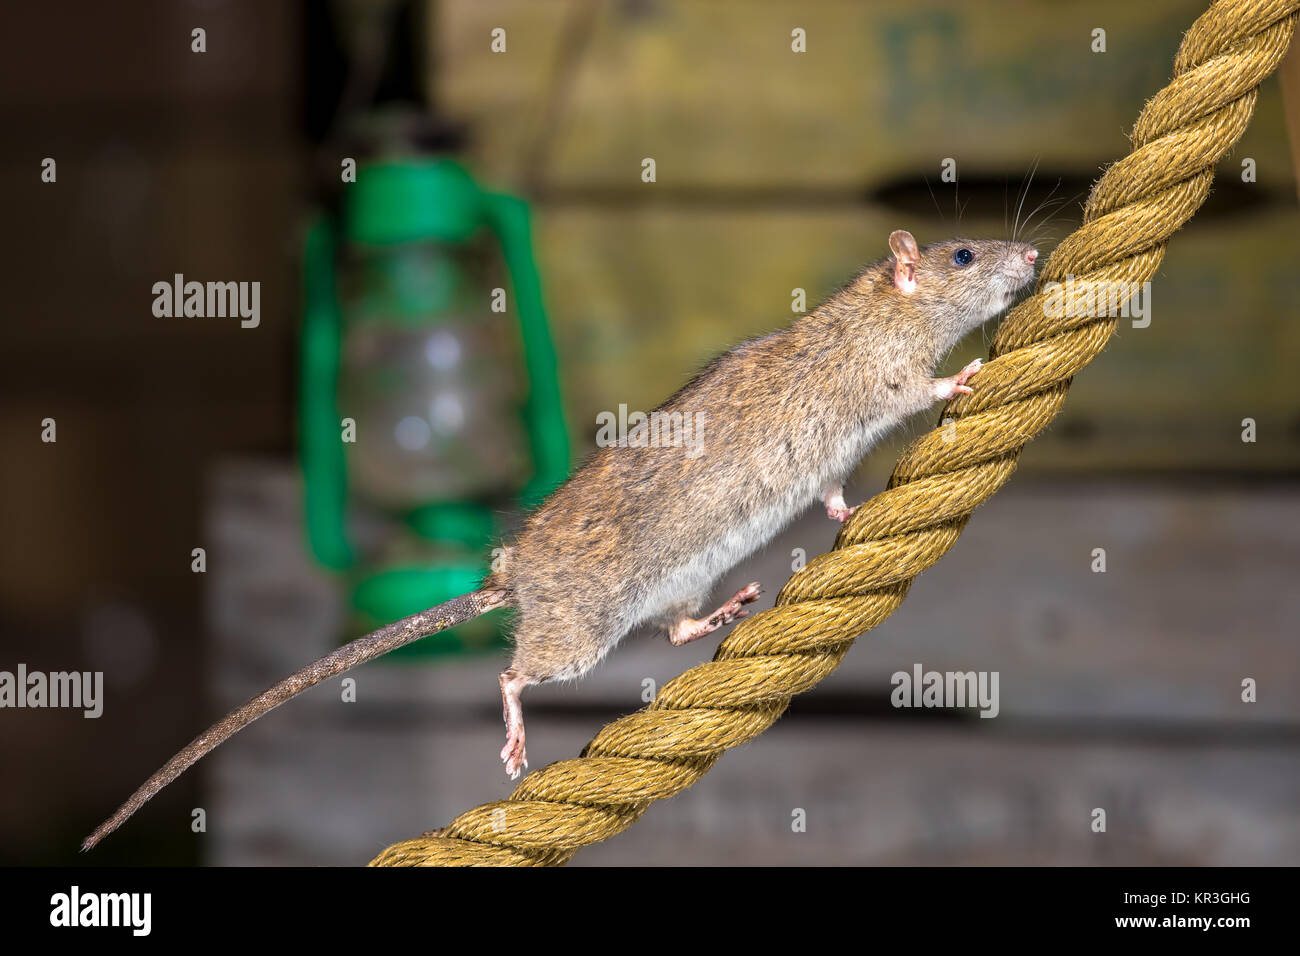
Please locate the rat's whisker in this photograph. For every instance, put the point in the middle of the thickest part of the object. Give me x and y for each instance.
(1050, 206)
(934, 199)
(1050, 209)
(1006, 208)
(1026, 183)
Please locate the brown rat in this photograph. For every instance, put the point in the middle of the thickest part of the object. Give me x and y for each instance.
(640, 534)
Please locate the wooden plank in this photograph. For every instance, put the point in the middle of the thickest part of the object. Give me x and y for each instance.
(771, 155)
(640, 299)
(1289, 79)
(336, 792)
(1197, 595)
(1118, 690)
(714, 92)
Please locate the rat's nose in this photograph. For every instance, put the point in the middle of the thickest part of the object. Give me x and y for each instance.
(1031, 255)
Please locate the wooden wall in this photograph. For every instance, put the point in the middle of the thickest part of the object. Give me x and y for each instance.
(775, 170)
(167, 161)
(1119, 690)
(779, 170)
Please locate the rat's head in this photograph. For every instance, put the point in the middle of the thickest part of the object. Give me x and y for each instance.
(961, 283)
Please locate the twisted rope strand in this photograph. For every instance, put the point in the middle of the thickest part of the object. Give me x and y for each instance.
(1135, 207)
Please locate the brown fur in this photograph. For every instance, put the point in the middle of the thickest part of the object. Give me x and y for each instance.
(641, 534)
(774, 407)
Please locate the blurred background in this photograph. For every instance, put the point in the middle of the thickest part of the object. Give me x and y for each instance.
(472, 354)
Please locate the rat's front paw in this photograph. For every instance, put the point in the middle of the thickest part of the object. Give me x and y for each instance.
(966, 374)
(946, 388)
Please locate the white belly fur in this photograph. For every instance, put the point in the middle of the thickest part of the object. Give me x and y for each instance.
(736, 542)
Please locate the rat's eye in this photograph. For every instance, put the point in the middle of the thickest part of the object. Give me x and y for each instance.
(963, 257)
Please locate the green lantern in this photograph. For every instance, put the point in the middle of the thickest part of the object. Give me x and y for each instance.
(418, 398)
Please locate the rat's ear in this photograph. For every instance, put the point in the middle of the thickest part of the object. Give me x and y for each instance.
(906, 256)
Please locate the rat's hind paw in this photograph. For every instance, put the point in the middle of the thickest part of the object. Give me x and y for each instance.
(514, 756)
(732, 609)
(841, 514)
(836, 508)
(689, 629)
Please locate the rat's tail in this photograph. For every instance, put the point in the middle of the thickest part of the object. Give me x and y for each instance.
(375, 644)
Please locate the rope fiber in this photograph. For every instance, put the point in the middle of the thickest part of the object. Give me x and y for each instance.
(1131, 213)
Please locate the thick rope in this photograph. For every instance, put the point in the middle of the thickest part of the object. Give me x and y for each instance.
(1133, 210)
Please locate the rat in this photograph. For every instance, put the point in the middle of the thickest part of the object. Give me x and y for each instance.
(641, 534)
